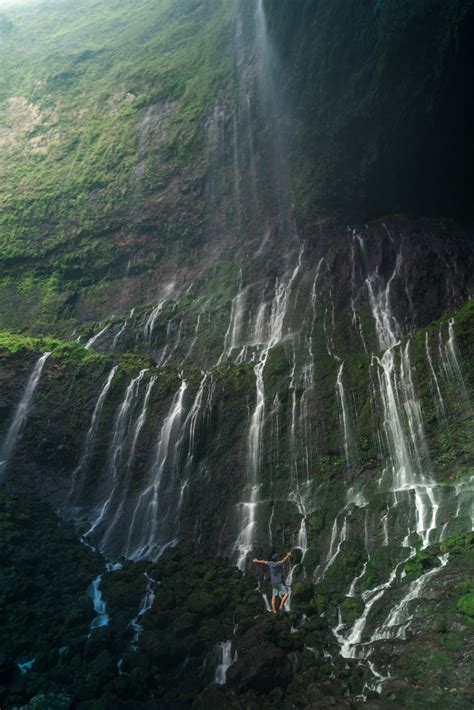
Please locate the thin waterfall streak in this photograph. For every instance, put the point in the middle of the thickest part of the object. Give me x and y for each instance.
(455, 367)
(88, 448)
(439, 401)
(346, 426)
(236, 168)
(122, 329)
(21, 415)
(155, 313)
(194, 340)
(141, 420)
(92, 341)
(234, 329)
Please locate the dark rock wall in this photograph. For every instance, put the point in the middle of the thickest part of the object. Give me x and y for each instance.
(384, 103)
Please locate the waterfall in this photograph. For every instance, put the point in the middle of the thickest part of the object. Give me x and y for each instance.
(153, 316)
(273, 108)
(269, 320)
(88, 448)
(121, 490)
(117, 450)
(143, 536)
(408, 470)
(267, 335)
(100, 607)
(92, 341)
(399, 617)
(140, 420)
(233, 333)
(350, 644)
(26, 666)
(122, 329)
(409, 462)
(345, 420)
(303, 500)
(145, 606)
(194, 340)
(338, 538)
(449, 356)
(434, 383)
(224, 660)
(236, 170)
(21, 415)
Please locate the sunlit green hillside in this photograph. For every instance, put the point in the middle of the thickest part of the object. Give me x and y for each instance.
(77, 83)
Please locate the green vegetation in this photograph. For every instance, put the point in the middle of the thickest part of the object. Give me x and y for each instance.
(66, 352)
(101, 105)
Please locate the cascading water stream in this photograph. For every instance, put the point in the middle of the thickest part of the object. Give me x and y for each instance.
(100, 607)
(396, 623)
(144, 526)
(407, 477)
(145, 606)
(434, 382)
(121, 490)
(408, 451)
(266, 335)
(154, 315)
(91, 435)
(21, 415)
(122, 329)
(345, 419)
(92, 341)
(450, 361)
(234, 330)
(116, 451)
(225, 659)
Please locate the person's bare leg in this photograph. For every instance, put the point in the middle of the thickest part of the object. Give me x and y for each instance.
(283, 600)
(274, 603)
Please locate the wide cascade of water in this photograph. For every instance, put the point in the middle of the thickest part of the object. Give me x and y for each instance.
(268, 332)
(287, 387)
(414, 499)
(116, 456)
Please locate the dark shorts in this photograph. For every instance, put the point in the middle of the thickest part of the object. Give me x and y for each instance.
(279, 590)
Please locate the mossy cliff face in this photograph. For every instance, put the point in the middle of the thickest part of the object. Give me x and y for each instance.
(314, 446)
(141, 153)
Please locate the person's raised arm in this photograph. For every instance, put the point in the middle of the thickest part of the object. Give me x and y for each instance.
(286, 557)
(259, 562)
